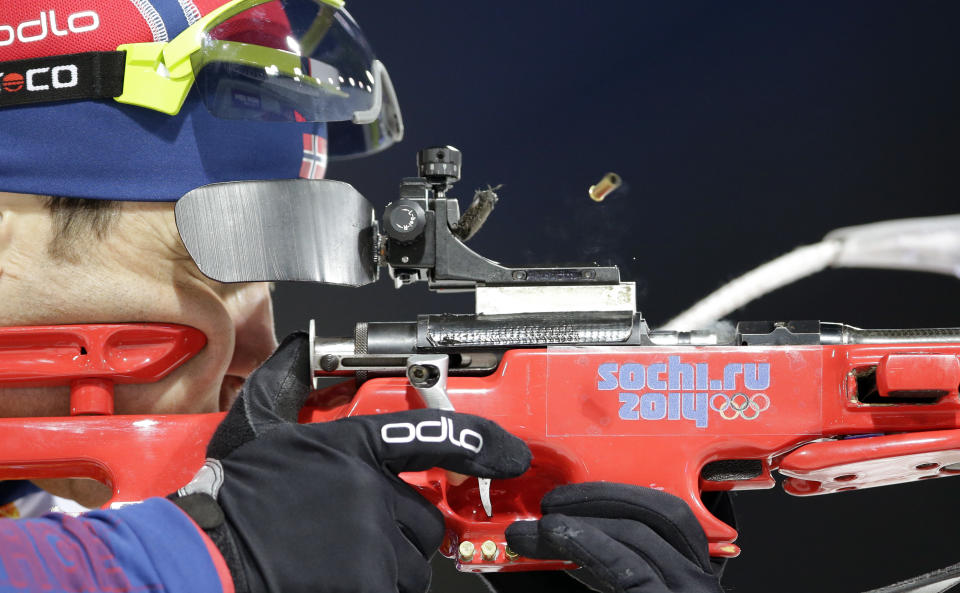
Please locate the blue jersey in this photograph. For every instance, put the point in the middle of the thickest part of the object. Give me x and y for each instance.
(151, 547)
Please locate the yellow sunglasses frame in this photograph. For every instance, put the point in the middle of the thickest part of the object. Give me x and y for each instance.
(158, 76)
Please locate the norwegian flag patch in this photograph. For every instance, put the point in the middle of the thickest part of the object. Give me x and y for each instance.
(314, 164)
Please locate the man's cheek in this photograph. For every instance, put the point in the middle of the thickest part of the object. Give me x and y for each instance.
(29, 402)
(251, 311)
(192, 389)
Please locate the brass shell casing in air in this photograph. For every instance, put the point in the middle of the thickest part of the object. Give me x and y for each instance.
(602, 189)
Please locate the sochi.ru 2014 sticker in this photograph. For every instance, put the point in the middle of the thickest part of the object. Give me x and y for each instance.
(678, 390)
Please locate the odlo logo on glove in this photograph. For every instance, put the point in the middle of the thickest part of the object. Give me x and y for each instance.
(406, 432)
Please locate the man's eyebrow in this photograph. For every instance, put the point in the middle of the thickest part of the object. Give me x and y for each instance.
(77, 221)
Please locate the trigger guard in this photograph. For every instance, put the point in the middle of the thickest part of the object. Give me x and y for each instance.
(720, 506)
(714, 511)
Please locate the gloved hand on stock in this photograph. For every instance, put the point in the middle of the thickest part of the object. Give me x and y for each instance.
(627, 539)
(308, 507)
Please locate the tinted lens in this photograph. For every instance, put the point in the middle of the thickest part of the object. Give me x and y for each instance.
(287, 60)
(346, 140)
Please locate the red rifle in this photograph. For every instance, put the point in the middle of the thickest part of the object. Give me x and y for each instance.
(558, 356)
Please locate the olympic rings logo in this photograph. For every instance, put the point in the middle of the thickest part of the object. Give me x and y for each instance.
(740, 405)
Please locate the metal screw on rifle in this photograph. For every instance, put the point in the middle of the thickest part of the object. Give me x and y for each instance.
(466, 551)
(509, 553)
(589, 274)
(519, 275)
(489, 550)
(405, 259)
(423, 376)
(329, 362)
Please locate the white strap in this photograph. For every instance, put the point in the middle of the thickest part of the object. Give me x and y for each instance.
(922, 244)
(786, 269)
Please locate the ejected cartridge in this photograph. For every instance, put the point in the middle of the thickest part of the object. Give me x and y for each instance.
(610, 182)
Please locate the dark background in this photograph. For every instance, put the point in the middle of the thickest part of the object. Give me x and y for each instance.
(741, 130)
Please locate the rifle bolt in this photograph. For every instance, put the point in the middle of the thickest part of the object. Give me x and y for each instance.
(509, 553)
(489, 550)
(466, 551)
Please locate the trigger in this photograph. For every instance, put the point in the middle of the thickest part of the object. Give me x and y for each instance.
(484, 484)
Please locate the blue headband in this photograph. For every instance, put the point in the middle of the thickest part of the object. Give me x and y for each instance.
(105, 150)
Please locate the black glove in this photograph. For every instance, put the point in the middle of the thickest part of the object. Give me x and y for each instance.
(627, 539)
(319, 507)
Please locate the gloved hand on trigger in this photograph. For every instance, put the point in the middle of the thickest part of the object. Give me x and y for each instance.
(627, 539)
(319, 507)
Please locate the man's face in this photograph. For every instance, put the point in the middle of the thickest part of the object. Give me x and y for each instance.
(138, 272)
